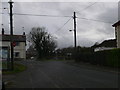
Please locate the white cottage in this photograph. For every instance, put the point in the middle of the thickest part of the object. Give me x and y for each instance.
(20, 45)
(117, 32)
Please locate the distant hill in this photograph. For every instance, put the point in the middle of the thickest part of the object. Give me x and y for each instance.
(106, 43)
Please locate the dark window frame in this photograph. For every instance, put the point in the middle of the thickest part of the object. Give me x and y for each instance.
(17, 54)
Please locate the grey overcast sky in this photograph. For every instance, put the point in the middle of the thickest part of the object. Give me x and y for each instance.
(88, 31)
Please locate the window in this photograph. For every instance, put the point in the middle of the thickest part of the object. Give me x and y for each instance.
(17, 54)
(17, 43)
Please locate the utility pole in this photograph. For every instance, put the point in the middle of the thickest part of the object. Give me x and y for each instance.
(74, 26)
(74, 17)
(11, 35)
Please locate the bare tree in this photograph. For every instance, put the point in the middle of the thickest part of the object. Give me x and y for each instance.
(43, 42)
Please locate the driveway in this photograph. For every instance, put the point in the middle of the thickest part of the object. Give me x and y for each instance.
(58, 74)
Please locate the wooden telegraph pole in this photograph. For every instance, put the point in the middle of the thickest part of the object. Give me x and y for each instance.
(74, 26)
(11, 34)
(74, 17)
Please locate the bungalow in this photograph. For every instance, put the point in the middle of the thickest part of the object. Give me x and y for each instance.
(117, 32)
(105, 45)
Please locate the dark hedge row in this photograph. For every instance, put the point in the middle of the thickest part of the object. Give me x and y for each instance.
(103, 58)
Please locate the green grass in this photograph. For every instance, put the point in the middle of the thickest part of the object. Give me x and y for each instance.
(3, 64)
(17, 68)
(0, 65)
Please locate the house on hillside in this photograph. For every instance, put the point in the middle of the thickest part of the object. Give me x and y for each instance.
(19, 46)
(117, 32)
(105, 45)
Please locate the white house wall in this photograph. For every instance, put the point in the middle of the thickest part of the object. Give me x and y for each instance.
(118, 36)
(5, 44)
(21, 48)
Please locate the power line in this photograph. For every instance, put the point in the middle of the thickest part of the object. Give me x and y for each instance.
(91, 19)
(95, 20)
(86, 7)
(63, 25)
(59, 16)
(40, 15)
(37, 15)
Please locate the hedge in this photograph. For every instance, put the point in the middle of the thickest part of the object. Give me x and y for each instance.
(103, 58)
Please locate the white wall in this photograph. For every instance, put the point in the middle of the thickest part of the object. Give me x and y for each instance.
(103, 48)
(21, 48)
(117, 30)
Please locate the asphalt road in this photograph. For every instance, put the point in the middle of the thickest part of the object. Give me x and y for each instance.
(0, 79)
(58, 74)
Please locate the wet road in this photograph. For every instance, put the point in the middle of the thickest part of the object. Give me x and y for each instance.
(58, 74)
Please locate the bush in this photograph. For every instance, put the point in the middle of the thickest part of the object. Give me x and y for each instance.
(83, 54)
(113, 57)
(103, 58)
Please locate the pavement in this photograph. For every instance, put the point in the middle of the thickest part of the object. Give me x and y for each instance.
(59, 74)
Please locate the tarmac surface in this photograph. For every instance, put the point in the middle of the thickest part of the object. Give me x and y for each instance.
(59, 74)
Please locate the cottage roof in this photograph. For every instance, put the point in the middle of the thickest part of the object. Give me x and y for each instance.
(116, 24)
(16, 38)
(107, 43)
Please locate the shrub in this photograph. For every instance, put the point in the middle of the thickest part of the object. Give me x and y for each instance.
(103, 58)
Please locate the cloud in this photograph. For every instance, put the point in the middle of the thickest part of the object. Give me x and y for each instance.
(88, 31)
(111, 14)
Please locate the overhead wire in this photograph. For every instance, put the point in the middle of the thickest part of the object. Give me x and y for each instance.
(95, 20)
(63, 16)
(86, 7)
(91, 19)
(48, 16)
(63, 25)
(57, 16)
(37, 15)
(40, 15)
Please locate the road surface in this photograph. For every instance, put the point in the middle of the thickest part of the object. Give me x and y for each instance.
(58, 74)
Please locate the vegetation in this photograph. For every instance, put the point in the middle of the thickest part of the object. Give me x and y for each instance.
(3, 64)
(87, 55)
(17, 68)
(65, 53)
(70, 53)
(108, 57)
(102, 58)
(43, 42)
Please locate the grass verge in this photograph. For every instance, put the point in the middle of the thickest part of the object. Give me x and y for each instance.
(17, 68)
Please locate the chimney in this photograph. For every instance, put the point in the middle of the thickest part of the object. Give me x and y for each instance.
(23, 33)
(3, 31)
